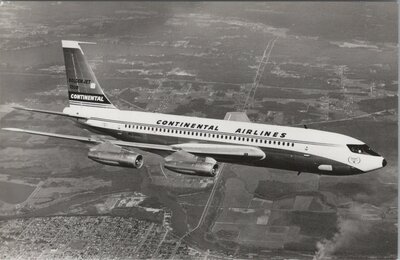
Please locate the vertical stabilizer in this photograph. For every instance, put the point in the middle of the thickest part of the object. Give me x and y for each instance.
(83, 87)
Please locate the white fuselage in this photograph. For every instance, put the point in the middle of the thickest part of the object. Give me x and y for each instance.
(311, 150)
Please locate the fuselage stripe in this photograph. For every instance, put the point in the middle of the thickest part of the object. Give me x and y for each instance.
(211, 132)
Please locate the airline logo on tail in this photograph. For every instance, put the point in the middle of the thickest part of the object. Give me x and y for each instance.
(88, 98)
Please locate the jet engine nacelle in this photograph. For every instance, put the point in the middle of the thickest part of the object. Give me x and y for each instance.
(206, 169)
(123, 158)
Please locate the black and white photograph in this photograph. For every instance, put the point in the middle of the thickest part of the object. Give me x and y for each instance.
(199, 130)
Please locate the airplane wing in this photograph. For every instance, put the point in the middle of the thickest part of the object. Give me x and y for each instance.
(200, 149)
(187, 158)
(237, 116)
(95, 140)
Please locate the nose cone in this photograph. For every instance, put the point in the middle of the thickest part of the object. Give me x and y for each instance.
(384, 162)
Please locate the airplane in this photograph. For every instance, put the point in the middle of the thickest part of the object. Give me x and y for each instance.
(194, 145)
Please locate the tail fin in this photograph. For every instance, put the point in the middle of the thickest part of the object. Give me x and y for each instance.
(83, 87)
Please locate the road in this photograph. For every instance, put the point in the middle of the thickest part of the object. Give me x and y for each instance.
(205, 211)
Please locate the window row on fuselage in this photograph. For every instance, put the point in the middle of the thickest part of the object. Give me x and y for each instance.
(209, 135)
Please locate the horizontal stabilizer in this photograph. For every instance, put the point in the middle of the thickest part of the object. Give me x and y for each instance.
(237, 116)
(43, 111)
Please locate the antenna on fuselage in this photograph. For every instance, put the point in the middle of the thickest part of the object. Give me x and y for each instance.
(305, 126)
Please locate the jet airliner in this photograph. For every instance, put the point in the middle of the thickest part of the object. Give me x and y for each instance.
(193, 145)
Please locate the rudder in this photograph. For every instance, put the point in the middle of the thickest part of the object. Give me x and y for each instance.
(83, 87)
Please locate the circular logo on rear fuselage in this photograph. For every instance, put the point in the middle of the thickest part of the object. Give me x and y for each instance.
(354, 160)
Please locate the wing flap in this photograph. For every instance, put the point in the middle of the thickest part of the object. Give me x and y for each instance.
(143, 146)
(221, 149)
(181, 156)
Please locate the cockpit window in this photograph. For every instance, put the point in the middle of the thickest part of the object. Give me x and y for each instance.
(362, 149)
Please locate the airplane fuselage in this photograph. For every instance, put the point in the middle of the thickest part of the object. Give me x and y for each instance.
(289, 148)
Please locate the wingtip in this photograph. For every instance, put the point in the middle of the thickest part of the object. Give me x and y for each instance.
(73, 44)
(10, 129)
